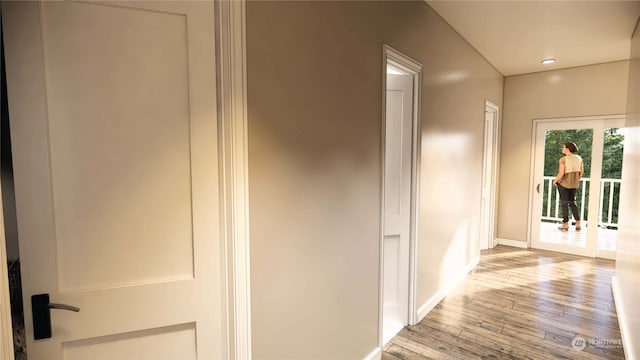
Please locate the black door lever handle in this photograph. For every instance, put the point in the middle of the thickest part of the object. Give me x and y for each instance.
(63, 307)
(41, 310)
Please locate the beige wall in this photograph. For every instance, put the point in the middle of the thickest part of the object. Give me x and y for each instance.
(315, 124)
(627, 278)
(581, 91)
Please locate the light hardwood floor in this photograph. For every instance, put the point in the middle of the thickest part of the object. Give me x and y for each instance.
(520, 304)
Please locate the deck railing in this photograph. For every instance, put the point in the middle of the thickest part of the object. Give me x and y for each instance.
(607, 209)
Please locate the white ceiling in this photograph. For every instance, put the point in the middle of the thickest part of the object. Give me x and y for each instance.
(515, 36)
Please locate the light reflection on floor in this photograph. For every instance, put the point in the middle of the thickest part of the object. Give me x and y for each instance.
(550, 234)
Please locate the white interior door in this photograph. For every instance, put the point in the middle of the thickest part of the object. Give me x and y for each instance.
(596, 233)
(397, 203)
(113, 124)
(487, 212)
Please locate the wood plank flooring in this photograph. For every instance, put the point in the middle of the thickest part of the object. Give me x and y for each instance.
(520, 304)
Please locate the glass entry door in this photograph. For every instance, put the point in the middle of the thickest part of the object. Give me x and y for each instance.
(600, 143)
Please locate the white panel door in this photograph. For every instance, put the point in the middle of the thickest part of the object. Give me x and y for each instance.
(397, 204)
(487, 211)
(113, 124)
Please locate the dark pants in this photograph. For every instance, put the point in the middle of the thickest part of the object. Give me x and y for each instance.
(568, 200)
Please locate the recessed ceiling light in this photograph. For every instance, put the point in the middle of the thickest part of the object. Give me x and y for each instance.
(548, 61)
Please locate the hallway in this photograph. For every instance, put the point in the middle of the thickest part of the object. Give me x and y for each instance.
(521, 304)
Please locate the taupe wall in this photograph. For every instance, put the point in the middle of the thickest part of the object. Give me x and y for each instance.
(581, 91)
(627, 278)
(315, 125)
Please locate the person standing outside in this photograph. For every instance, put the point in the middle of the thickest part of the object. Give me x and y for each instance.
(570, 171)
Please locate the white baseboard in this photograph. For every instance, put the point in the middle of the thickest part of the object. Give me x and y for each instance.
(442, 293)
(627, 340)
(376, 354)
(514, 243)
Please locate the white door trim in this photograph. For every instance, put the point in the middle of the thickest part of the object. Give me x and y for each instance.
(232, 115)
(398, 59)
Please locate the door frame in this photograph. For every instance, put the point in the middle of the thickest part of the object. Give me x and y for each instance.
(391, 56)
(231, 78)
(231, 85)
(587, 251)
(490, 152)
(6, 330)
